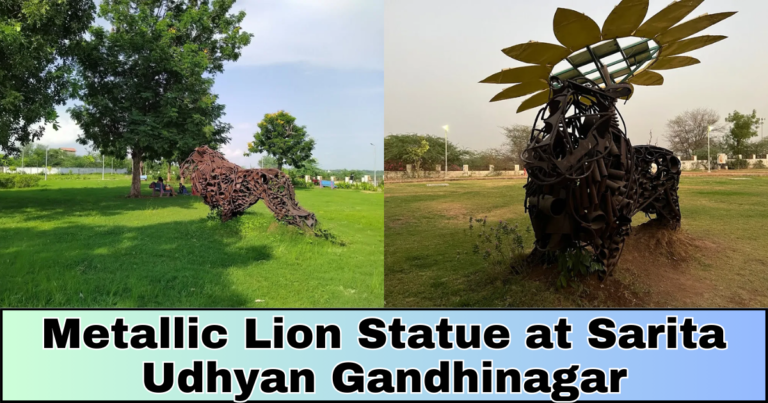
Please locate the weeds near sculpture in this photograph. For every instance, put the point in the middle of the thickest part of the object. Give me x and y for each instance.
(501, 245)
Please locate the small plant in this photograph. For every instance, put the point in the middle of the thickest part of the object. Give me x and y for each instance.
(214, 214)
(575, 262)
(759, 164)
(501, 245)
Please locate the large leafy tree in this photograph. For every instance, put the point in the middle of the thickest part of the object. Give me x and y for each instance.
(36, 38)
(280, 137)
(398, 146)
(743, 128)
(146, 83)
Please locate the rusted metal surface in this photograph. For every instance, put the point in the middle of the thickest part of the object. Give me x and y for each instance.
(225, 185)
(586, 180)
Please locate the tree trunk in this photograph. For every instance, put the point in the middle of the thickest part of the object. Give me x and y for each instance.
(181, 176)
(280, 165)
(136, 177)
(168, 180)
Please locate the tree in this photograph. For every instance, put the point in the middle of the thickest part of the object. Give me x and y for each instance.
(267, 161)
(397, 147)
(743, 128)
(518, 137)
(687, 132)
(146, 83)
(414, 154)
(280, 137)
(36, 40)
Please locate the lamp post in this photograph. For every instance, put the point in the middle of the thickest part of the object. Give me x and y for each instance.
(102, 167)
(375, 183)
(446, 150)
(709, 162)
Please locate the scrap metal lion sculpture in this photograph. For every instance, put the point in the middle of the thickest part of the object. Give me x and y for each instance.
(225, 185)
(585, 180)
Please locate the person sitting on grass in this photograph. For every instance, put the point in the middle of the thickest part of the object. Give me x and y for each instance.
(183, 190)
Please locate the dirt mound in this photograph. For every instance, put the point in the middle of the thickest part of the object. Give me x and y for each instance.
(654, 271)
(658, 239)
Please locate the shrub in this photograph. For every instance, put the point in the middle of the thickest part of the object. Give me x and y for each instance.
(8, 181)
(759, 165)
(360, 186)
(13, 168)
(576, 262)
(300, 183)
(27, 181)
(738, 164)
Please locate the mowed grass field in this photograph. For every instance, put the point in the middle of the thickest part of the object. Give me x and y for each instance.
(81, 243)
(719, 259)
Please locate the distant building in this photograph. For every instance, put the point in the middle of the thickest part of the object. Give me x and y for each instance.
(70, 151)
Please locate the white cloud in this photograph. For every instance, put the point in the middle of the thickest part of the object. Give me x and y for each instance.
(66, 135)
(328, 33)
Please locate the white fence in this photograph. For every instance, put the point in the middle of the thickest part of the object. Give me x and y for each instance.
(59, 170)
(695, 163)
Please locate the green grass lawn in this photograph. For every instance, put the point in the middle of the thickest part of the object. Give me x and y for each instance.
(81, 243)
(429, 259)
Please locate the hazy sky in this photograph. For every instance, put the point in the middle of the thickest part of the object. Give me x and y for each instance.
(320, 60)
(436, 51)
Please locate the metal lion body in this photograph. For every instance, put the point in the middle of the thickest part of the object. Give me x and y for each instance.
(225, 185)
(586, 181)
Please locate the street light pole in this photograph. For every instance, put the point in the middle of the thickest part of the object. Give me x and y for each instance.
(375, 183)
(709, 162)
(446, 150)
(102, 167)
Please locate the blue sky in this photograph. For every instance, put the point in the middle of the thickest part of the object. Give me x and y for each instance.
(320, 60)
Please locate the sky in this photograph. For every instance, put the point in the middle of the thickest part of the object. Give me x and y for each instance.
(320, 60)
(436, 52)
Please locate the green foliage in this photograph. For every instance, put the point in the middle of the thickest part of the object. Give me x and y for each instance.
(759, 165)
(501, 246)
(367, 186)
(36, 45)
(743, 128)
(267, 161)
(10, 181)
(575, 262)
(415, 154)
(146, 84)
(737, 164)
(397, 148)
(34, 156)
(280, 137)
(309, 167)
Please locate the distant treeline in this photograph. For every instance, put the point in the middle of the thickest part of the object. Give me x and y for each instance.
(426, 152)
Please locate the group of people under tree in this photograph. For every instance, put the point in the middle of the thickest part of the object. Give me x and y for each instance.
(162, 188)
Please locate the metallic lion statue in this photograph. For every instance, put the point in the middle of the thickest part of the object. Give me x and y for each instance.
(225, 185)
(585, 180)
